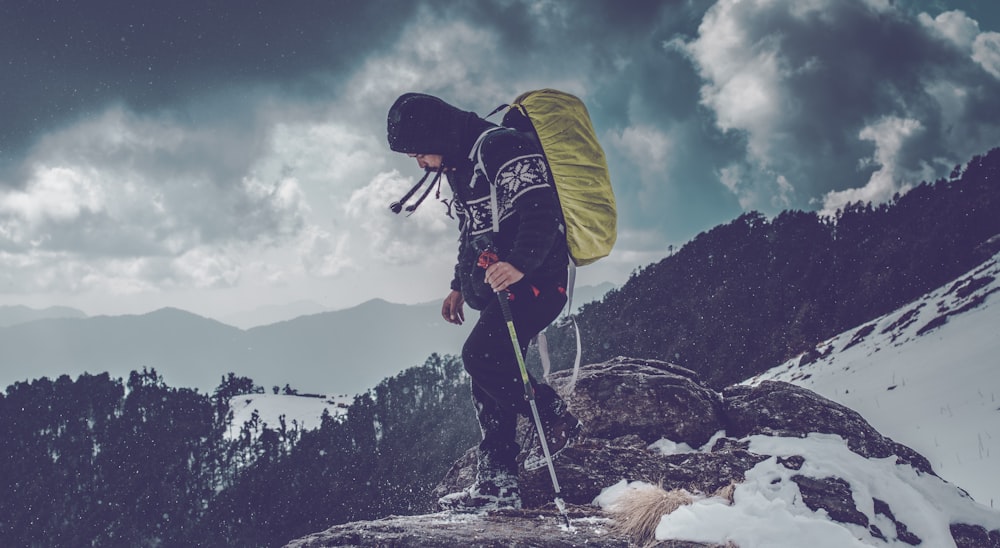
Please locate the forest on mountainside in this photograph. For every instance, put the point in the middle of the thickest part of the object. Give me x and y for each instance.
(744, 296)
(99, 461)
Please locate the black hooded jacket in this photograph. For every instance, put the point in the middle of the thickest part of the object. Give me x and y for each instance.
(483, 160)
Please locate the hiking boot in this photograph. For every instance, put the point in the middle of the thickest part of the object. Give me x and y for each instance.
(496, 493)
(561, 431)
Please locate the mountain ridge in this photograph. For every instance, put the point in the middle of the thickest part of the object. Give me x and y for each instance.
(194, 351)
(15, 314)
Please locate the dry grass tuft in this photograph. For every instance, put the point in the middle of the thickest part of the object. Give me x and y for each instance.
(726, 493)
(637, 513)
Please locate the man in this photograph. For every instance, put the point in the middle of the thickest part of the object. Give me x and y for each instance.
(506, 204)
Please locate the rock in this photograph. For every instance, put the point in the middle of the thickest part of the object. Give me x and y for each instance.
(446, 530)
(592, 465)
(645, 398)
(782, 409)
(833, 495)
(627, 405)
(974, 536)
(502, 529)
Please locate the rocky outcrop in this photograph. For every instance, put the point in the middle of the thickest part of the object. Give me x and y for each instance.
(503, 529)
(628, 405)
(782, 409)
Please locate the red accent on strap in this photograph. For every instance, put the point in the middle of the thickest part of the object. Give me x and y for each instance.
(487, 258)
(535, 290)
(561, 289)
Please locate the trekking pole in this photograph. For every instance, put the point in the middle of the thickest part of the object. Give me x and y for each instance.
(485, 260)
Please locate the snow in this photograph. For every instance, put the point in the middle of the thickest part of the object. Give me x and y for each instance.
(300, 412)
(926, 376)
(768, 511)
(938, 393)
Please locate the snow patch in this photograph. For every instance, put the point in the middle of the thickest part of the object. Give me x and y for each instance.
(299, 412)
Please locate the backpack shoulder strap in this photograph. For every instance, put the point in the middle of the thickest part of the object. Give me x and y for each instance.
(476, 156)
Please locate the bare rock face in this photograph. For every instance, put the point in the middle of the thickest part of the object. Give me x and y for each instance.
(644, 398)
(782, 409)
(444, 530)
(502, 529)
(628, 404)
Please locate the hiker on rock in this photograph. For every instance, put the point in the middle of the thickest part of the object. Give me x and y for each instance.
(526, 233)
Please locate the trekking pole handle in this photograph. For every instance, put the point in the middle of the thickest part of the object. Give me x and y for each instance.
(486, 259)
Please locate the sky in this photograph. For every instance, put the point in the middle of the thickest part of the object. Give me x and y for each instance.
(223, 156)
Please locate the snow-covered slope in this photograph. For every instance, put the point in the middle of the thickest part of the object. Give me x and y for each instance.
(927, 376)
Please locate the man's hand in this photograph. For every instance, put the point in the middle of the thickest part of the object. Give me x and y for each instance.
(452, 310)
(501, 275)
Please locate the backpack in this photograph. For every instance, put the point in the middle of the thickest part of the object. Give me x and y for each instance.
(578, 166)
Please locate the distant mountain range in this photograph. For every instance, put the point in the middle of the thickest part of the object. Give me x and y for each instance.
(345, 351)
(269, 314)
(12, 315)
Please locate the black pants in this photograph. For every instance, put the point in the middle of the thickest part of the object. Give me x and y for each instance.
(497, 387)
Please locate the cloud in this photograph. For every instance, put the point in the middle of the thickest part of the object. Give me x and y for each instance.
(75, 60)
(986, 52)
(890, 135)
(251, 153)
(205, 268)
(825, 93)
(647, 147)
(964, 33)
(400, 239)
(187, 196)
(441, 53)
(56, 195)
(123, 189)
(953, 25)
(325, 255)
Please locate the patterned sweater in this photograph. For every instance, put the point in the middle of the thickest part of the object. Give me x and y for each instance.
(531, 234)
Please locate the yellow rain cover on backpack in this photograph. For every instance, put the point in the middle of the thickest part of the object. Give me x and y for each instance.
(579, 168)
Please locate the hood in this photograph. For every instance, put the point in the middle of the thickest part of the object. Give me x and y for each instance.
(423, 124)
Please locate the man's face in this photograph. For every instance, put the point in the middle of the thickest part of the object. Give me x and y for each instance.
(427, 161)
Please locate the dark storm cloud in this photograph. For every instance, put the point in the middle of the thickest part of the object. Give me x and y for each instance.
(72, 59)
(829, 93)
(166, 134)
(65, 59)
(615, 53)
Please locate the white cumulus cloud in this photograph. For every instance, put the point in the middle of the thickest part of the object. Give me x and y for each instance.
(890, 136)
